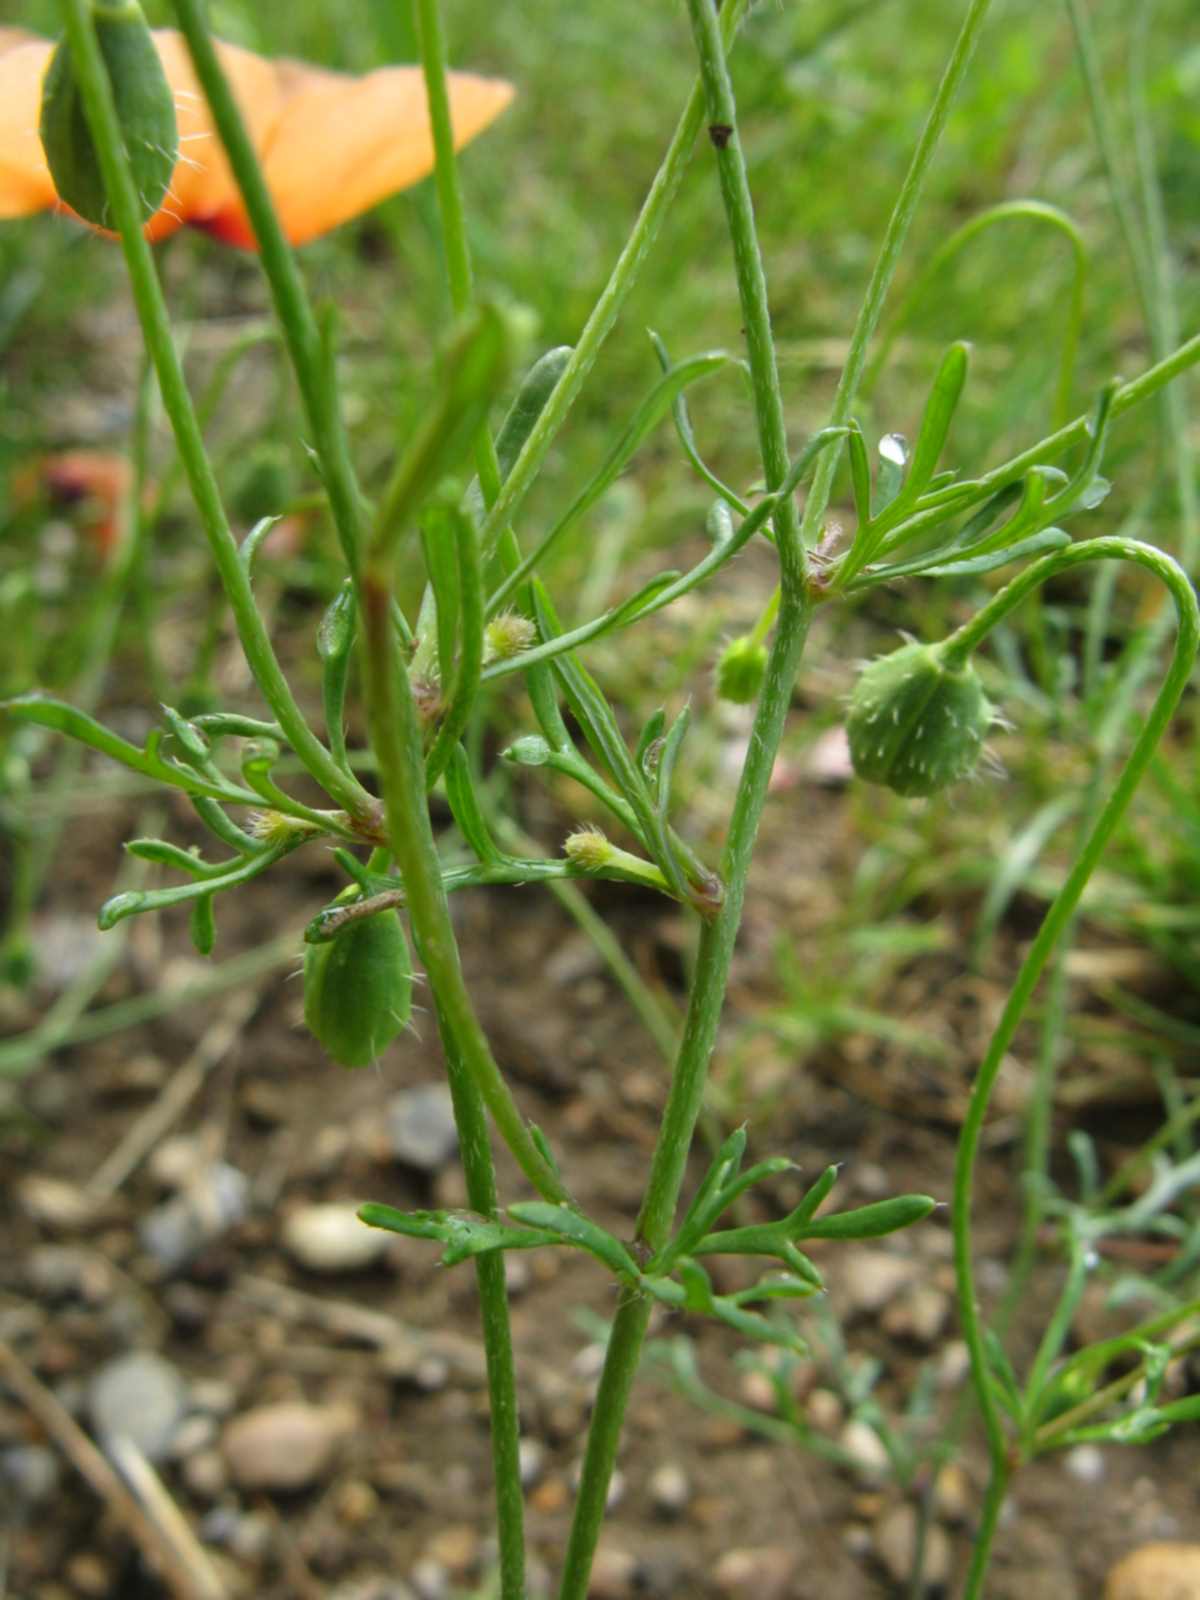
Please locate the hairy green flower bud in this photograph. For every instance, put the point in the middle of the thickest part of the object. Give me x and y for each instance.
(740, 671)
(506, 635)
(589, 849)
(358, 988)
(915, 724)
(145, 105)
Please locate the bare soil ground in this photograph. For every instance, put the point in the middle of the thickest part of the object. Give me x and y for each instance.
(706, 1505)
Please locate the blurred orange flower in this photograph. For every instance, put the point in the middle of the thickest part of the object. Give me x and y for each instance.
(331, 145)
(94, 484)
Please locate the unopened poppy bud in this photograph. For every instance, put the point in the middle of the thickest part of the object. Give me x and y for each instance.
(740, 671)
(588, 849)
(273, 827)
(531, 750)
(507, 635)
(145, 105)
(915, 724)
(358, 988)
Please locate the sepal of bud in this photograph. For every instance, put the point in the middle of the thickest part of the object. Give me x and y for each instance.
(145, 106)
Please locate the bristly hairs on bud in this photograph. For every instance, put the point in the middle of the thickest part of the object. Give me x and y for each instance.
(917, 722)
(588, 848)
(273, 827)
(507, 635)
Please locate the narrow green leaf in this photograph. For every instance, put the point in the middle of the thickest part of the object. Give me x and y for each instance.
(203, 925)
(576, 1229)
(939, 413)
(464, 804)
(869, 1222)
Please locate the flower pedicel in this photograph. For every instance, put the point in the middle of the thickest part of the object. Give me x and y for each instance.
(331, 144)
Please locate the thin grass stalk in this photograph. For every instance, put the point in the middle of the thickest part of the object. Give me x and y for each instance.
(177, 402)
(721, 109)
(884, 271)
(296, 320)
(503, 1411)
(1054, 924)
(604, 313)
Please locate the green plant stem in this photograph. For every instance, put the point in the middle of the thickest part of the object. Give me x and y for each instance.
(432, 40)
(604, 313)
(1056, 920)
(985, 1529)
(177, 402)
(718, 936)
(721, 109)
(310, 359)
(396, 738)
(503, 1413)
(684, 1101)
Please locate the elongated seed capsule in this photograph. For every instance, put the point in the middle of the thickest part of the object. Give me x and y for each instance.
(915, 724)
(358, 989)
(145, 104)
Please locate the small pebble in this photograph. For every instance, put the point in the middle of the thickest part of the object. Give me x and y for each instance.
(865, 1447)
(1166, 1571)
(532, 1455)
(1086, 1463)
(895, 1545)
(330, 1239)
(214, 1395)
(195, 1433)
(762, 1573)
(614, 1573)
(430, 1581)
(421, 1123)
(670, 1490)
(178, 1160)
(54, 1203)
(865, 1280)
(64, 1272)
(825, 1411)
(953, 1495)
(89, 1574)
(175, 1232)
(30, 1473)
(140, 1396)
(356, 1503)
(204, 1475)
(549, 1496)
(456, 1548)
(919, 1315)
(285, 1447)
(756, 1390)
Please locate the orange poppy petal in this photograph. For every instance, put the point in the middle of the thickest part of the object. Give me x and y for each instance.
(202, 184)
(343, 144)
(331, 145)
(25, 182)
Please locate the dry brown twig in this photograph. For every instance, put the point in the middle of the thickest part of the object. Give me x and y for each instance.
(179, 1561)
